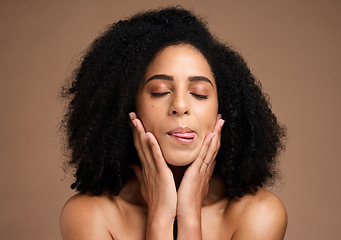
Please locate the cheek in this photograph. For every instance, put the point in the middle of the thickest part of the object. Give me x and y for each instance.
(209, 122)
(208, 117)
(147, 115)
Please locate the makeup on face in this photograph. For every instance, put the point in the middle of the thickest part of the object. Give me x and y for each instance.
(177, 102)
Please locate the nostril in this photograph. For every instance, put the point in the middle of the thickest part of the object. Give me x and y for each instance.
(175, 112)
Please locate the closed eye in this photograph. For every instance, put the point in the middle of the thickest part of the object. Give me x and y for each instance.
(200, 96)
(159, 94)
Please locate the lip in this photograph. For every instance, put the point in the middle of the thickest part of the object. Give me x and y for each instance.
(182, 135)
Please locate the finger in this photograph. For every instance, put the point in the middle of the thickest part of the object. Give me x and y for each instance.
(137, 141)
(201, 159)
(208, 158)
(217, 131)
(218, 125)
(159, 160)
(144, 145)
(221, 124)
(140, 141)
(132, 123)
(214, 146)
(202, 154)
(132, 116)
(211, 168)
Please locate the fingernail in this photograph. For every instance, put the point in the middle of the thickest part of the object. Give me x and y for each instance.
(134, 123)
(131, 115)
(219, 116)
(222, 123)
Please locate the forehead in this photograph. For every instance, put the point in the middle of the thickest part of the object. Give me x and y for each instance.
(179, 60)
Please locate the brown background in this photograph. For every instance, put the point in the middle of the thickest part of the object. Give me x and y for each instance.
(293, 47)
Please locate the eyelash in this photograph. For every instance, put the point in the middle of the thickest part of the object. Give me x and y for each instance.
(165, 93)
(159, 94)
(200, 96)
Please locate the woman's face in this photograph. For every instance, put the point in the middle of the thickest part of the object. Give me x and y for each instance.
(177, 101)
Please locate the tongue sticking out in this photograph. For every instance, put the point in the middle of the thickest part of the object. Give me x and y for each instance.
(188, 135)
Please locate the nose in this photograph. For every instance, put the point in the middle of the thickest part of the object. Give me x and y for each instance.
(179, 106)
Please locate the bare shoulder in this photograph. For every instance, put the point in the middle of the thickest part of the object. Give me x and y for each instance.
(262, 215)
(85, 217)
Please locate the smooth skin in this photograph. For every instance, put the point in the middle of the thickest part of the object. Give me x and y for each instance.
(178, 90)
(159, 190)
(174, 179)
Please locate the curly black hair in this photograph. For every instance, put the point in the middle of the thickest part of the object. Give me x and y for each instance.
(103, 90)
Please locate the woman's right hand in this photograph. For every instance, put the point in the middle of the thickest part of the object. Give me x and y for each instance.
(157, 182)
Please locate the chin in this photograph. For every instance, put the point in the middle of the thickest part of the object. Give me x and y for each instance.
(178, 164)
(180, 160)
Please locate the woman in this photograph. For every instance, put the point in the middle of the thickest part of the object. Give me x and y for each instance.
(154, 158)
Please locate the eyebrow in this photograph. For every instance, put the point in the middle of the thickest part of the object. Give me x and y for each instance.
(170, 78)
(200, 78)
(160, 76)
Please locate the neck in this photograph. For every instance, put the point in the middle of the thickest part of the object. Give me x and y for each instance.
(178, 173)
(132, 194)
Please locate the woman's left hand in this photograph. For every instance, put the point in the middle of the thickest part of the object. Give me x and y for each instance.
(195, 184)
